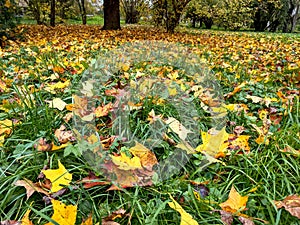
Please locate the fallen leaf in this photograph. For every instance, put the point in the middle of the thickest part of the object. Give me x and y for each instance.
(103, 110)
(43, 145)
(88, 221)
(59, 177)
(63, 214)
(291, 204)
(64, 135)
(146, 156)
(91, 181)
(186, 219)
(177, 128)
(25, 220)
(30, 187)
(214, 143)
(235, 202)
(126, 163)
(57, 103)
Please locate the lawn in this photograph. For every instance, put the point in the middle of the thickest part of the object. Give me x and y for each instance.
(195, 127)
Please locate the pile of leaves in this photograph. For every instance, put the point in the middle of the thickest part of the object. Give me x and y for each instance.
(245, 171)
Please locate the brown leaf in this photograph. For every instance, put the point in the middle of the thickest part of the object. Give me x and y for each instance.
(246, 221)
(43, 145)
(30, 187)
(226, 217)
(92, 180)
(10, 222)
(291, 204)
(64, 135)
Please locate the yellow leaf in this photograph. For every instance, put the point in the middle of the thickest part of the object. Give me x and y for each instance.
(57, 103)
(58, 177)
(63, 214)
(235, 202)
(88, 221)
(59, 85)
(126, 163)
(7, 4)
(5, 126)
(146, 156)
(55, 147)
(25, 220)
(186, 219)
(214, 144)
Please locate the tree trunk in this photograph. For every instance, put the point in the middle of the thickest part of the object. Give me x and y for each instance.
(52, 13)
(111, 15)
(83, 13)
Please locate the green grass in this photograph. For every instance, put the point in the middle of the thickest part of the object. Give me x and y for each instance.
(272, 173)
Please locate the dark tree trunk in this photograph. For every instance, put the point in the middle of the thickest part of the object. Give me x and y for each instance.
(208, 22)
(52, 13)
(83, 13)
(111, 15)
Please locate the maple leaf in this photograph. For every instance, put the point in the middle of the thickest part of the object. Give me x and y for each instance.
(63, 214)
(30, 187)
(58, 177)
(186, 219)
(291, 203)
(214, 142)
(235, 202)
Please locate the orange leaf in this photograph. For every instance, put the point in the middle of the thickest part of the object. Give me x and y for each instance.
(235, 202)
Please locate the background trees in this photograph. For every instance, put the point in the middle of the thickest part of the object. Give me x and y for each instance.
(260, 15)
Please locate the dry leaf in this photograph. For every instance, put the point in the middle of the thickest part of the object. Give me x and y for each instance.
(291, 204)
(30, 187)
(59, 177)
(57, 103)
(146, 156)
(103, 110)
(63, 214)
(186, 219)
(177, 128)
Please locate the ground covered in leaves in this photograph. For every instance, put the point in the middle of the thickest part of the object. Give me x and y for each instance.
(244, 168)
